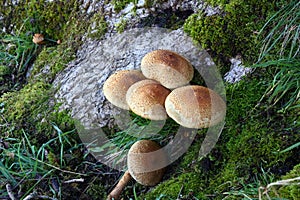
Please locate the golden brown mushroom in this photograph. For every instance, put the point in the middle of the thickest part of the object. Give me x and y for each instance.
(167, 67)
(195, 106)
(38, 38)
(146, 98)
(141, 160)
(116, 86)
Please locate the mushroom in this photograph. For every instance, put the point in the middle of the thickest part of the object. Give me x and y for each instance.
(116, 86)
(38, 38)
(168, 68)
(195, 106)
(146, 98)
(146, 163)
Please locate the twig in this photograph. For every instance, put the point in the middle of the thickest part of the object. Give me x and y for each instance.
(178, 196)
(57, 168)
(259, 192)
(10, 192)
(285, 182)
(277, 183)
(75, 180)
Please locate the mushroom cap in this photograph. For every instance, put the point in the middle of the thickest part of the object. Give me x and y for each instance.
(38, 38)
(143, 161)
(116, 86)
(195, 106)
(167, 67)
(146, 98)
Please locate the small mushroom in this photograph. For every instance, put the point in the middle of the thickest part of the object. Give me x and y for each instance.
(146, 163)
(116, 86)
(195, 106)
(146, 98)
(38, 38)
(143, 157)
(167, 67)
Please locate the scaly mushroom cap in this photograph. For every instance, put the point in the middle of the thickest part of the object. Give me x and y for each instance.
(116, 86)
(195, 106)
(142, 158)
(168, 68)
(146, 98)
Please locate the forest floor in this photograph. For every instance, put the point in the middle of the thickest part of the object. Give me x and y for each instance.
(42, 152)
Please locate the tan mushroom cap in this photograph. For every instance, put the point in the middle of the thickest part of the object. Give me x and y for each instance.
(116, 86)
(141, 158)
(167, 67)
(146, 98)
(195, 106)
(38, 38)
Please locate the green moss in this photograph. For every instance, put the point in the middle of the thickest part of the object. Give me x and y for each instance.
(62, 119)
(19, 105)
(98, 26)
(49, 18)
(121, 26)
(119, 5)
(96, 191)
(291, 191)
(16, 54)
(247, 145)
(57, 20)
(4, 70)
(250, 150)
(28, 109)
(54, 60)
(186, 184)
(232, 32)
(191, 156)
(31, 107)
(251, 134)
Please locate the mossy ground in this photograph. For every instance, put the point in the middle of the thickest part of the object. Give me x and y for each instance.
(233, 32)
(291, 191)
(247, 153)
(27, 106)
(248, 146)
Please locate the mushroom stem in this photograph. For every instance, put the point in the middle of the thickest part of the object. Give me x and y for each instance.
(116, 192)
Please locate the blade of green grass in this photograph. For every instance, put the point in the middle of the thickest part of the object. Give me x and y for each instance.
(290, 148)
(7, 174)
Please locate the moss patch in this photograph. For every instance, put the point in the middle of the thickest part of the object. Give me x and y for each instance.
(19, 106)
(247, 146)
(120, 5)
(232, 32)
(31, 108)
(98, 26)
(250, 140)
(48, 18)
(184, 185)
(291, 191)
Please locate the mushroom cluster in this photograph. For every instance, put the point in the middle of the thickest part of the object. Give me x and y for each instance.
(160, 90)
